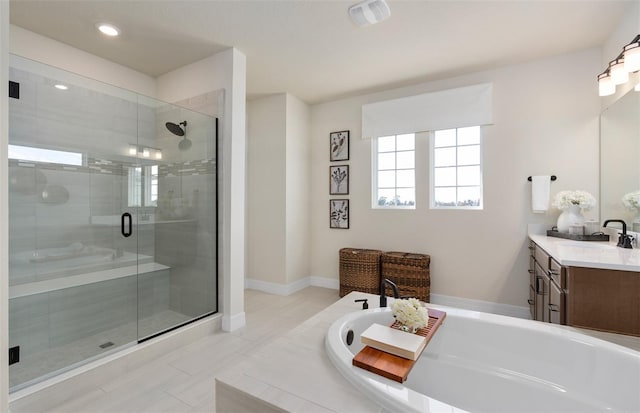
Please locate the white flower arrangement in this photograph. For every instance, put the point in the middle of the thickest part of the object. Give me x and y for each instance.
(410, 313)
(564, 199)
(631, 201)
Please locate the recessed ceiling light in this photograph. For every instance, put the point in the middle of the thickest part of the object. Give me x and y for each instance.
(369, 12)
(108, 29)
(61, 87)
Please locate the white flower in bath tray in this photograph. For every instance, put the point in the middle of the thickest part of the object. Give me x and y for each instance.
(410, 313)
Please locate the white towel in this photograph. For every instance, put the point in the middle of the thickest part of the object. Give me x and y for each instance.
(540, 188)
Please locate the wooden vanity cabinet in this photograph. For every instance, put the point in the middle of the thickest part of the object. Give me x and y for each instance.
(605, 300)
(594, 298)
(532, 280)
(546, 287)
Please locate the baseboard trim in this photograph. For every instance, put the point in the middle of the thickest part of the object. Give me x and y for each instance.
(233, 322)
(332, 283)
(288, 289)
(324, 282)
(483, 306)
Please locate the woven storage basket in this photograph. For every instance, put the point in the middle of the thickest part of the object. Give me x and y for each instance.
(409, 271)
(359, 271)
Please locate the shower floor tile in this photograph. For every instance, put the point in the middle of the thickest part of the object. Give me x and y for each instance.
(59, 358)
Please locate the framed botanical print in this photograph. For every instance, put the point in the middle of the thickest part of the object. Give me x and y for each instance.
(339, 213)
(339, 146)
(339, 180)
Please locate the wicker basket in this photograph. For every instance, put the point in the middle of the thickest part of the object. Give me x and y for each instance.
(409, 271)
(359, 271)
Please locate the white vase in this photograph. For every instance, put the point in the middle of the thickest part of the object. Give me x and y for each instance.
(635, 225)
(570, 216)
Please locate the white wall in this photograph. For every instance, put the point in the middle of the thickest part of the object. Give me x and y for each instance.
(278, 186)
(43, 49)
(298, 179)
(546, 122)
(266, 210)
(4, 207)
(225, 70)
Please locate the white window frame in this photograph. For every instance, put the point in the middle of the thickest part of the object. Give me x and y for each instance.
(150, 180)
(374, 175)
(432, 204)
(139, 193)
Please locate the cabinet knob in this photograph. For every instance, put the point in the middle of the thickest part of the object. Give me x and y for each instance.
(553, 272)
(530, 301)
(530, 271)
(553, 307)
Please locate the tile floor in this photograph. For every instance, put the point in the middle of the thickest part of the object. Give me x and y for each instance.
(57, 358)
(183, 380)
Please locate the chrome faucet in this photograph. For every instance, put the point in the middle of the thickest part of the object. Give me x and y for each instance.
(624, 240)
(383, 295)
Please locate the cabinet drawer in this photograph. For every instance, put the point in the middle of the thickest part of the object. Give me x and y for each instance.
(542, 258)
(532, 272)
(532, 302)
(556, 307)
(557, 273)
(542, 294)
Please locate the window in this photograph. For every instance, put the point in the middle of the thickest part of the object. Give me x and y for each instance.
(456, 168)
(394, 171)
(28, 153)
(143, 186)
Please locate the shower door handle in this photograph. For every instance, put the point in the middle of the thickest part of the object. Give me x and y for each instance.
(126, 231)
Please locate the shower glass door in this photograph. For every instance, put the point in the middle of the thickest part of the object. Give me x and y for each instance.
(176, 220)
(72, 275)
(112, 220)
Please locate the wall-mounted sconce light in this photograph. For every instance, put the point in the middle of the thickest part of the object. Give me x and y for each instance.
(617, 73)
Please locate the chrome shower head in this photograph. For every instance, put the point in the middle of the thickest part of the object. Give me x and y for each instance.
(176, 129)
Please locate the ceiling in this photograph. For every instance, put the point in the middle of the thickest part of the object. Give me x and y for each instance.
(311, 49)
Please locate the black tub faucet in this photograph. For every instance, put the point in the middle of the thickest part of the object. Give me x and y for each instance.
(383, 295)
(624, 240)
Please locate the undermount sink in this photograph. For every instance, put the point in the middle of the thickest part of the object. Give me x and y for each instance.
(590, 245)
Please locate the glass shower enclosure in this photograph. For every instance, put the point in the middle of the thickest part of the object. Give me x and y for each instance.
(112, 219)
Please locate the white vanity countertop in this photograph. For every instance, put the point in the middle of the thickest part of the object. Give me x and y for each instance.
(590, 254)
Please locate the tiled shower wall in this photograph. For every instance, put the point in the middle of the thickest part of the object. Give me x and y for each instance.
(189, 248)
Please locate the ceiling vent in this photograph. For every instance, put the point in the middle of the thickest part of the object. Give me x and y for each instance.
(369, 12)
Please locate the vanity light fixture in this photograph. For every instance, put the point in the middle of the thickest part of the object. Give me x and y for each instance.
(146, 153)
(61, 87)
(133, 150)
(158, 154)
(628, 61)
(619, 74)
(606, 86)
(108, 29)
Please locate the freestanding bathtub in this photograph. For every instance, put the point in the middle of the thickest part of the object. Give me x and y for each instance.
(481, 362)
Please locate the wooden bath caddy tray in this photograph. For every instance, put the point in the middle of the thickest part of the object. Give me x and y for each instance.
(394, 367)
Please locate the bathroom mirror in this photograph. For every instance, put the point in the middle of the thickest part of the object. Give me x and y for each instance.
(619, 166)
